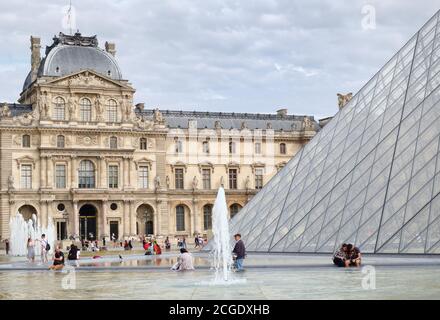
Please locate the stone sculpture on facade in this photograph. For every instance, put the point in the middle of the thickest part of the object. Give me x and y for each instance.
(5, 111)
(71, 107)
(99, 105)
(308, 124)
(157, 183)
(11, 183)
(343, 99)
(158, 117)
(195, 182)
(43, 105)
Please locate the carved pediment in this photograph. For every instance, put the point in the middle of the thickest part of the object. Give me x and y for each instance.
(144, 161)
(87, 78)
(25, 160)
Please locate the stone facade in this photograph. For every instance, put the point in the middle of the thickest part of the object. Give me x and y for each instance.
(75, 151)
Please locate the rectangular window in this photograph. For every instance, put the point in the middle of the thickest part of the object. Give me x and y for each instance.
(143, 177)
(206, 175)
(113, 177)
(143, 143)
(257, 148)
(179, 178)
(259, 178)
(60, 176)
(112, 113)
(26, 176)
(232, 178)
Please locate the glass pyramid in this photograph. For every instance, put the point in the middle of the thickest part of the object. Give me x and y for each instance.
(371, 176)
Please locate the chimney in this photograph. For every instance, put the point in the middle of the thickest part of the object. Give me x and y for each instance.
(282, 112)
(35, 56)
(110, 47)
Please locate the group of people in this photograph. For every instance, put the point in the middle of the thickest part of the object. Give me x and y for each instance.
(151, 247)
(199, 241)
(347, 256)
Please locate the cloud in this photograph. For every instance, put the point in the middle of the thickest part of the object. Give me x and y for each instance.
(227, 55)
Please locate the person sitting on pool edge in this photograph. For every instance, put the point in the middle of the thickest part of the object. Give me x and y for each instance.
(58, 260)
(354, 255)
(340, 256)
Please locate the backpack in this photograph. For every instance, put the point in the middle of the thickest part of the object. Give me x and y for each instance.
(47, 246)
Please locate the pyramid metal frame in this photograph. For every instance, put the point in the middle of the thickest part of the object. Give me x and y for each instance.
(371, 176)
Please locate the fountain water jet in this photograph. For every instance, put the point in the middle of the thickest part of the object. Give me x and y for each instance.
(222, 251)
(21, 230)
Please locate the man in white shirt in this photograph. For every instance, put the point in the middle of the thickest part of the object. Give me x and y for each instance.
(43, 243)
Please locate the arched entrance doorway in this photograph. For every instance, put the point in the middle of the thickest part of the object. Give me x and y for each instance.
(145, 220)
(87, 222)
(27, 211)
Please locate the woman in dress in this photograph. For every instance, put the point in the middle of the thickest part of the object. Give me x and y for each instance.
(31, 250)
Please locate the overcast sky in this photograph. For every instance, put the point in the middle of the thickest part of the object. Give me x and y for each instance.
(224, 55)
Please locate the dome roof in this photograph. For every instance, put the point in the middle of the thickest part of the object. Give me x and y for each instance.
(70, 54)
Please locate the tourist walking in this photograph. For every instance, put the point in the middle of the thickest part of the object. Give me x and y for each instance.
(6, 241)
(45, 247)
(114, 240)
(184, 261)
(183, 243)
(196, 241)
(30, 250)
(239, 252)
(58, 259)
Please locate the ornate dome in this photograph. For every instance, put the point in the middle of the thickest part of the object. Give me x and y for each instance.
(70, 54)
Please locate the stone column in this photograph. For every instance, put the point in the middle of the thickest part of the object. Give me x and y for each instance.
(73, 173)
(103, 172)
(126, 219)
(194, 220)
(126, 171)
(132, 218)
(75, 219)
(49, 170)
(104, 219)
(43, 213)
(158, 217)
(130, 170)
(43, 171)
(49, 216)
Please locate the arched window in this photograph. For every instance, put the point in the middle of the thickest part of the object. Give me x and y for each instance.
(86, 174)
(85, 109)
(60, 141)
(234, 209)
(207, 216)
(59, 109)
(26, 141)
(113, 143)
(282, 148)
(180, 218)
(143, 143)
(112, 111)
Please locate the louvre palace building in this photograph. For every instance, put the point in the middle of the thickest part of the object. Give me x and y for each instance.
(76, 151)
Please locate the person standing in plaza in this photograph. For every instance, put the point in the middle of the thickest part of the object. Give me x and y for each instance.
(167, 244)
(31, 250)
(239, 251)
(183, 243)
(6, 241)
(44, 245)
